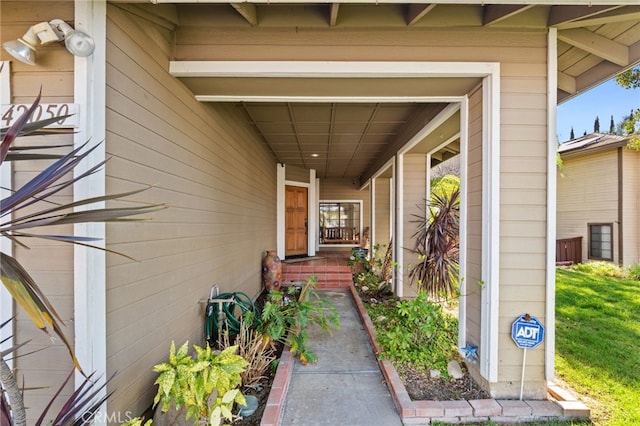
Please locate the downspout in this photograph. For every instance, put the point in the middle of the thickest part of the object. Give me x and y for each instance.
(620, 214)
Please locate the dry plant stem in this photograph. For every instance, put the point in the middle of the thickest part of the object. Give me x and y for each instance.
(251, 347)
(10, 385)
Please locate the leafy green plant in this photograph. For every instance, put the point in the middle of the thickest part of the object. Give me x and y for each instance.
(206, 385)
(288, 313)
(605, 269)
(373, 273)
(137, 421)
(634, 271)
(437, 245)
(415, 331)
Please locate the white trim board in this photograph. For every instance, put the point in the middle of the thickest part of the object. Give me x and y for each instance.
(6, 246)
(550, 302)
(90, 317)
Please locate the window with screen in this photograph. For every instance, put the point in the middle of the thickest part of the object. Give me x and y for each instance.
(340, 222)
(601, 241)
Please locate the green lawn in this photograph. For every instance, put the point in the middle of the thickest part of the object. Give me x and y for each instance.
(598, 343)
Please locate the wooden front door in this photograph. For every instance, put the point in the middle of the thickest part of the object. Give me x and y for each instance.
(296, 205)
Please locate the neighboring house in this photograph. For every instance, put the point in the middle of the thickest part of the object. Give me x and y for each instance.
(599, 198)
(245, 117)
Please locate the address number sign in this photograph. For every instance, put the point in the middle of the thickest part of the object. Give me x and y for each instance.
(10, 113)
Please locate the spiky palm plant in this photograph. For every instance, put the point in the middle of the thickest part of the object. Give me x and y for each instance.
(437, 245)
(29, 208)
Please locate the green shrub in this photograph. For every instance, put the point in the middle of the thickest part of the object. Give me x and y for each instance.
(416, 331)
(634, 271)
(605, 269)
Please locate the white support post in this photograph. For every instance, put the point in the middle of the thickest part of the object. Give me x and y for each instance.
(490, 224)
(550, 302)
(90, 264)
(312, 214)
(280, 206)
(464, 143)
(6, 181)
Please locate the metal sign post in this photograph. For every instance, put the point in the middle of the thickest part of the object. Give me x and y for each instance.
(527, 333)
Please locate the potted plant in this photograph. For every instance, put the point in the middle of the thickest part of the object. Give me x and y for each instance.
(288, 313)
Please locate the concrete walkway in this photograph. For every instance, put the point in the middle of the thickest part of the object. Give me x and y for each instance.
(345, 386)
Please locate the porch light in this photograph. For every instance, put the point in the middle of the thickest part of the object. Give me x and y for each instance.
(24, 48)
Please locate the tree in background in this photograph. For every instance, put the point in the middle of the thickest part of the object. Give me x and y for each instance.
(612, 127)
(596, 125)
(630, 79)
(572, 135)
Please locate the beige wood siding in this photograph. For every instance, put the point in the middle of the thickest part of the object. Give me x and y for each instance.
(523, 214)
(588, 193)
(631, 206)
(415, 195)
(50, 264)
(220, 184)
(296, 174)
(383, 213)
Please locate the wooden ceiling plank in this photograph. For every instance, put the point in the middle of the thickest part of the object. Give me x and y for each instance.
(416, 12)
(562, 14)
(495, 13)
(624, 14)
(333, 14)
(596, 45)
(248, 12)
(566, 83)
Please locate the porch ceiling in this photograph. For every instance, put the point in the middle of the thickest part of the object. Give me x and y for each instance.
(596, 40)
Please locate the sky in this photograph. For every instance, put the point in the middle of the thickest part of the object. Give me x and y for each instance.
(602, 101)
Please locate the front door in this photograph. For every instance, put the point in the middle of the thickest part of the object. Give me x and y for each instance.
(295, 220)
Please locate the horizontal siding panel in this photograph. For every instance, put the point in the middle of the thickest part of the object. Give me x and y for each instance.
(523, 245)
(219, 182)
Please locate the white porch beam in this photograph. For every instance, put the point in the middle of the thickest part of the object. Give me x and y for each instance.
(597, 45)
(328, 69)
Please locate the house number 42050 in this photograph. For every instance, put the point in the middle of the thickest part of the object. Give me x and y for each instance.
(10, 113)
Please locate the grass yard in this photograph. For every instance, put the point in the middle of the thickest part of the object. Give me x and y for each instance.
(598, 343)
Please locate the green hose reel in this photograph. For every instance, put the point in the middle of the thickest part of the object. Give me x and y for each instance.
(224, 313)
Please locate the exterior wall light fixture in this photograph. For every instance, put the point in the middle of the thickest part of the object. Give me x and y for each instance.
(24, 48)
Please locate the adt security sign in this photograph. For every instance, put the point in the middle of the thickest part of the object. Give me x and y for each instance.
(527, 332)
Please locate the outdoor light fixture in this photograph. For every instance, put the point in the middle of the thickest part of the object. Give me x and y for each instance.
(24, 49)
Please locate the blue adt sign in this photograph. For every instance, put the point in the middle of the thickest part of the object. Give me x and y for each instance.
(527, 332)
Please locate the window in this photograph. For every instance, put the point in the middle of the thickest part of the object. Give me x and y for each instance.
(340, 222)
(601, 241)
